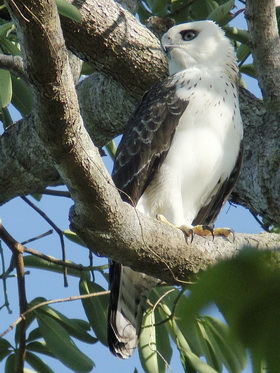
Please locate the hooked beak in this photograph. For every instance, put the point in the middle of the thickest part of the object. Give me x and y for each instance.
(166, 46)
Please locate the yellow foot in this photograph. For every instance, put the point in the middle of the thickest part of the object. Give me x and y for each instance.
(188, 231)
(200, 230)
(224, 232)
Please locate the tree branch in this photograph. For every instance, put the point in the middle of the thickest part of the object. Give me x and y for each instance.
(258, 187)
(46, 303)
(149, 246)
(115, 43)
(57, 230)
(17, 250)
(13, 64)
(265, 45)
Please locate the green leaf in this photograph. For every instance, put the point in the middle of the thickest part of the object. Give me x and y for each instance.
(248, 69)
(143, 13)
(243, 52)
(237, 34)
(189, 360)
(70, 325)
(95, 308)
(76, 328)
(4, 343)
(111, 149)
(37, 196)
(227, 349)
(154, 344)
(32, 261)
(158, 7)
(87, 69)
(22, 96)
(73, 237)
(68, 10)
(259, 365)
(201, 8)
(195, 335)
(249, 302)
(5, 88)
(10, 365)
(5, 348)
(5, 117)
(189, 341)
(36, 363)
(34, 334)
(61, 345)
(6, 28)
(83, 324)
(221, 14)
(8, 47)
(40, 347)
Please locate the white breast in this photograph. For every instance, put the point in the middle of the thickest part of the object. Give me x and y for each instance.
(204, 149)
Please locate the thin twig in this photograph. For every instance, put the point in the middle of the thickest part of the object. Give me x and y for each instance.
(37, 237)
(4, 278)
(57, 230)
(57, 193)
(161, 298)
(69, 299)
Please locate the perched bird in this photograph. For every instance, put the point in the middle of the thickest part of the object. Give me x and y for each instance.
(179, 157)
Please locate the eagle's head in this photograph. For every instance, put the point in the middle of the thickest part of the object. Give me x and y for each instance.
(200, 44)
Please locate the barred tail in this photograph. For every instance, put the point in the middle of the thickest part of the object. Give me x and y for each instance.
(129, 292)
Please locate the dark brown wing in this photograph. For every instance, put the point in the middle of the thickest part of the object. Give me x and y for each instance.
(147, 139)
(209, 213)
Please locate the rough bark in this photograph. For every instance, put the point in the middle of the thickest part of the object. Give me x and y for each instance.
(117, 44)
(108, 225)
(265, 45)
(258, 187)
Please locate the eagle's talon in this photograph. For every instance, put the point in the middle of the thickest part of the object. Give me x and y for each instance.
(188, 232)
(203, 230)
(224, 232)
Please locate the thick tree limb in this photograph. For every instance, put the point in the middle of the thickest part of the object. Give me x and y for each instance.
(265, 44)
(24, 163)
(116, 43)
(105, 107)
(109, 226)
(160, 251)
(258, 187)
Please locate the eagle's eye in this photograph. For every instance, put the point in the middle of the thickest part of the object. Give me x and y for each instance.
(188, 35)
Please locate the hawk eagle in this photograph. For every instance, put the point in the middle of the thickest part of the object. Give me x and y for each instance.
(179, 157)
